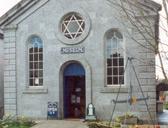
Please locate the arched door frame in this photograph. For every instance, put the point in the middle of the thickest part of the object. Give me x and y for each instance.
(88, 83)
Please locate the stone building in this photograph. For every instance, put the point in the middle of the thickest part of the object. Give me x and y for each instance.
(73, 52)
(1, 75)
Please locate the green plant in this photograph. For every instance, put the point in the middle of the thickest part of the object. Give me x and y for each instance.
(16, 122)
(103, 124)
(166, 105)
(127, 118)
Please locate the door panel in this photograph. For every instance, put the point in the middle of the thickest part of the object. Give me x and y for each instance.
(74, 97)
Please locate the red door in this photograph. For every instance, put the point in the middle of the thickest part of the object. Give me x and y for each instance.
(74, 97)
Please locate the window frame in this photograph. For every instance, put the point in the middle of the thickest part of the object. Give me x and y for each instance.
(85, 33)
(69, 19)
(118, 66)
(33, 62)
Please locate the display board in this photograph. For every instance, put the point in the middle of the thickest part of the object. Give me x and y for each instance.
(52, 111)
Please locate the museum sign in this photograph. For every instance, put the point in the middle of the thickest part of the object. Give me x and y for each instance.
(72, 50)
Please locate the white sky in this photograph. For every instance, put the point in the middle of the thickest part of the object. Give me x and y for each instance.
(5, 5)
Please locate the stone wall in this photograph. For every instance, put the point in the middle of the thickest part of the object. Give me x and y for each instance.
(1, 77)
(10, 70)
(44, 21)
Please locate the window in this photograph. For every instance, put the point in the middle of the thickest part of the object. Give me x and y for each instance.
(72, 26)
(115, 58)
(35, 61)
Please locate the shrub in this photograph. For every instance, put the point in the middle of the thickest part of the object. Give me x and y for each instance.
(166, 105)
(127, 118)
(103, 124)
(16, 122)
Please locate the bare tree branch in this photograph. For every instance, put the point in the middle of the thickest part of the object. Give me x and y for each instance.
(137, 16)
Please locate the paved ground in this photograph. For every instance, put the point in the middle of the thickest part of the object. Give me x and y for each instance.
(66, 124)
(162, 119)
(60, 124)
(164, 126)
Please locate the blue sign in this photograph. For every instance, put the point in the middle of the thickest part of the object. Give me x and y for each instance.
(52, 109)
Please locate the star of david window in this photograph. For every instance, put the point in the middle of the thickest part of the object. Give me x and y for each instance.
(72, 26)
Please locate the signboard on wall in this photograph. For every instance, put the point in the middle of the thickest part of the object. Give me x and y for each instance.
(72, 50)
(52, 111)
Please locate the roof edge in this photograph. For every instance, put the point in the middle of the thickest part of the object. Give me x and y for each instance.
(18, 8)
(151, 4)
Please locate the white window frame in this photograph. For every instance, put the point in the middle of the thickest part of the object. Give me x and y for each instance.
(118, 50)
(72, 18)
(33, 69)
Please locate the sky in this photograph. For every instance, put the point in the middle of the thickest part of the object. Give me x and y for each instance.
(5, 5)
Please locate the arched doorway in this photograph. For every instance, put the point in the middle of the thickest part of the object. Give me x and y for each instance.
(74, 91)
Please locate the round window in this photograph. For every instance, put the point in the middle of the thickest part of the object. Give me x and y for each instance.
(73, 26)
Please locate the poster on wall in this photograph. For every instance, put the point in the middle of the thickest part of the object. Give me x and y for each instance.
(52, 111)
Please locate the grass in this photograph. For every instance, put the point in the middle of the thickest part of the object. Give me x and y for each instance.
(16, 122)
(17, 126)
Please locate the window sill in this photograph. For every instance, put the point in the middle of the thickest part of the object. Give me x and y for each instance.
(114, 89)
(35, 90)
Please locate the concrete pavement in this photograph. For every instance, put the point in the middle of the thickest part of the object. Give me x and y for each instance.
(163, 126)
(66, 124)
(60, 124)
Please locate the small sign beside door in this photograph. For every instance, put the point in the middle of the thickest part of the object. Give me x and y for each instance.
(52, 110)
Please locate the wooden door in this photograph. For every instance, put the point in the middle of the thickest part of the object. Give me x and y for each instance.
(74, 97)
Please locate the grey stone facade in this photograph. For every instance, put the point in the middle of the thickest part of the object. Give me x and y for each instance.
(1, 76)
(10, 70)
(43, 19)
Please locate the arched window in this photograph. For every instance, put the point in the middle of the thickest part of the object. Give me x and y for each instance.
(115, 58)
(35, 61)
